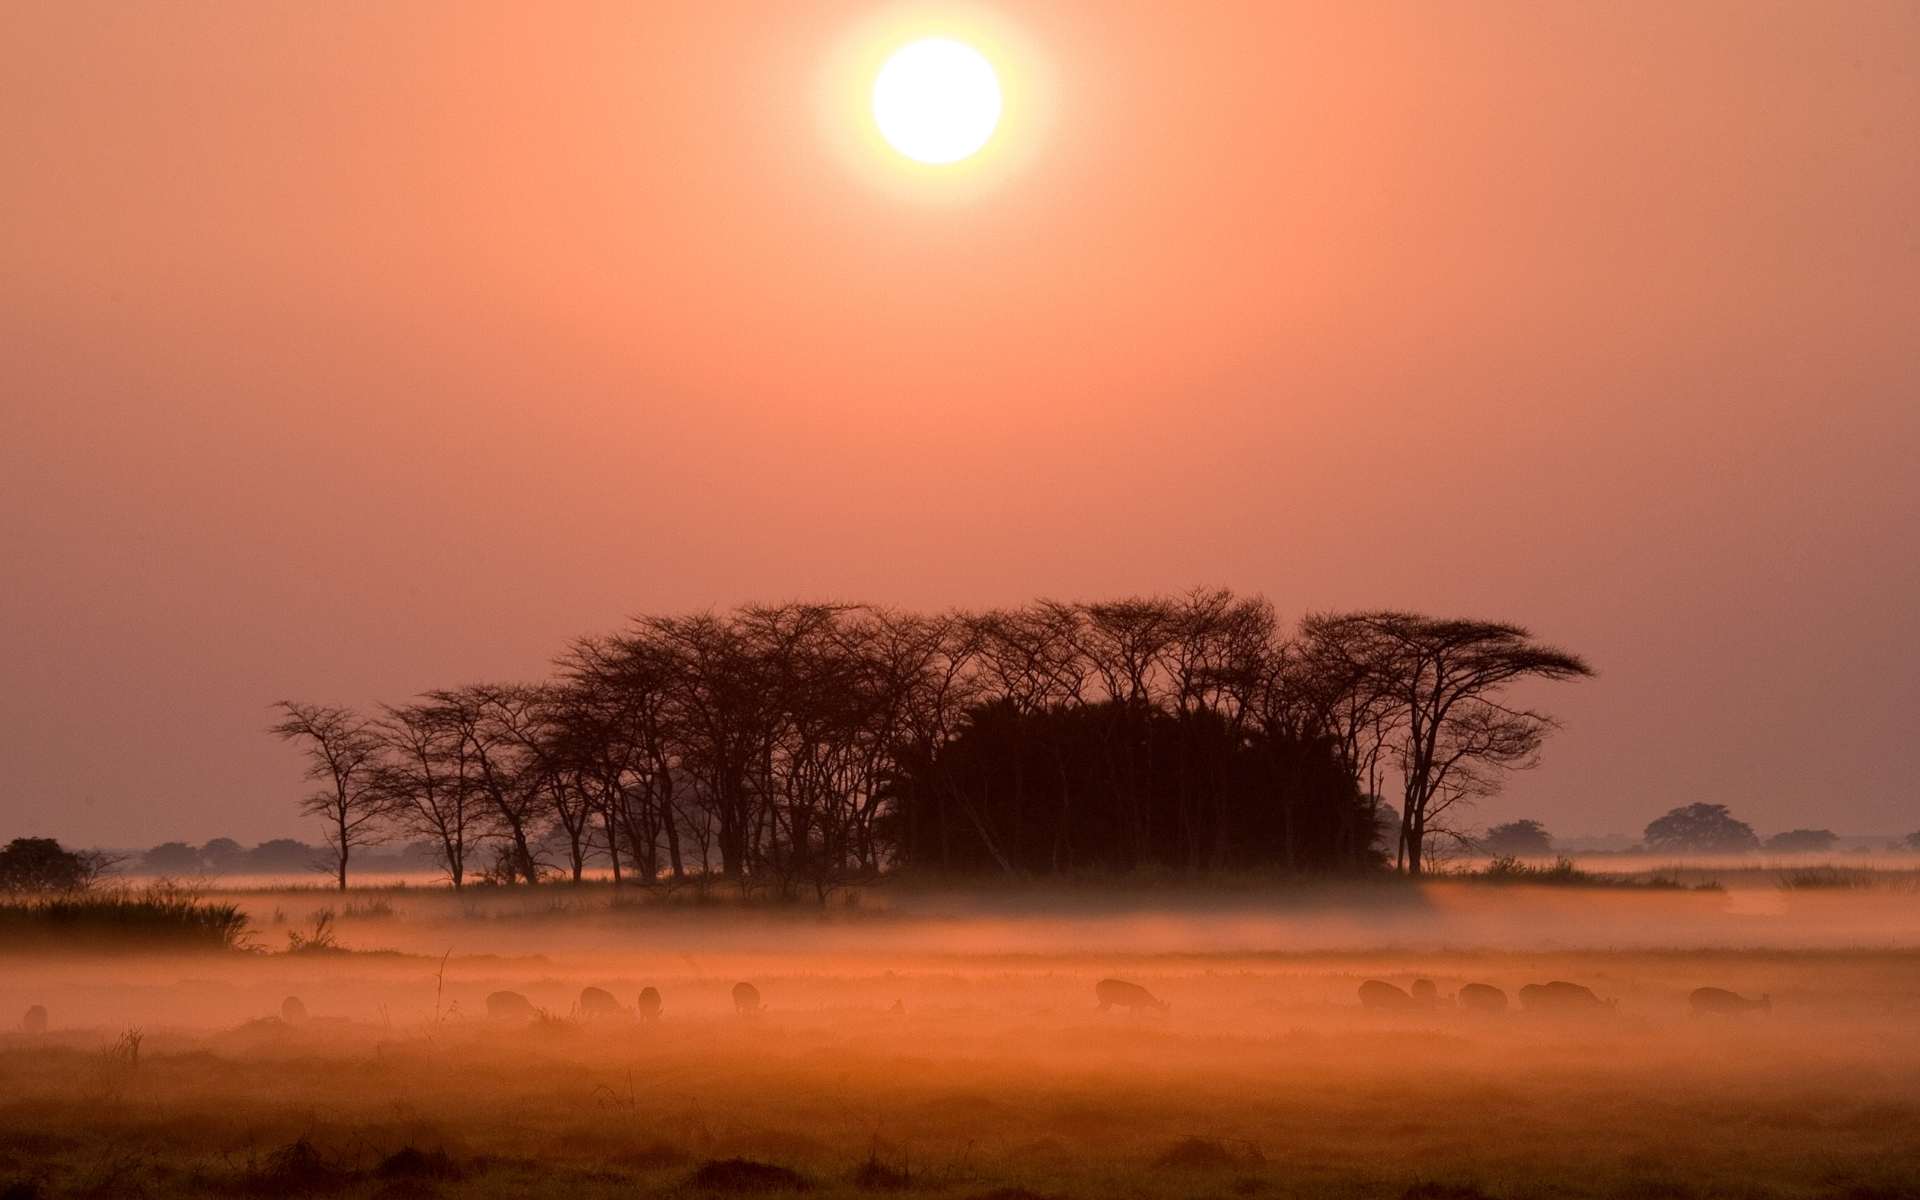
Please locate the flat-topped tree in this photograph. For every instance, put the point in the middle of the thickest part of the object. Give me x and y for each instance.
(343, 753)
(1454, 735)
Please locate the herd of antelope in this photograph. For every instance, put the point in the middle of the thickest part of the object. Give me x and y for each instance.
(1557, 997)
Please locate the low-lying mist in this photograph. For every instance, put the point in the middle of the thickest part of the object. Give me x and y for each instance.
(956, 1039)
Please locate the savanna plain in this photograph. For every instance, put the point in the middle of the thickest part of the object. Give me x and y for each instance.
(914, 1039)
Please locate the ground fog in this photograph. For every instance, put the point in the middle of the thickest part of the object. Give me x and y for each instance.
(937, 1042)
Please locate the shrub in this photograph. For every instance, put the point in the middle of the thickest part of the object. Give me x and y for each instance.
(161, 915)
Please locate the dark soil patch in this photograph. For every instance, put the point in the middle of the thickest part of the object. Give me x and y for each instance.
(297, 1169)
(652, 1157)
(1198, 1153)
(876, 1176)
(1427, 1190)
(746, 1175)
(409, 1162)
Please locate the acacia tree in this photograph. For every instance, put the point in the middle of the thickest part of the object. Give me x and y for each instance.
(495, 724)
(1455, 733)
(343, 754)
(426, 780)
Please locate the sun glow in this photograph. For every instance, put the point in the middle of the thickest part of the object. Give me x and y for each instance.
(937, 101)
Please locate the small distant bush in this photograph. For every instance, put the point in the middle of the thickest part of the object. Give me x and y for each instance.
(374, 908)
(1802, 841)
(318, 940)
(160, 916)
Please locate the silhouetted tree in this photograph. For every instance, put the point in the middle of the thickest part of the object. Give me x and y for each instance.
(808, 745)
(43, 865)
(283, 854)
(428, 784)
(1517, 838)
(343, 755)
(1454, 733)
(497, 725)
(172, 858)
(223, 854)
(1803, 841)
(1701, 829)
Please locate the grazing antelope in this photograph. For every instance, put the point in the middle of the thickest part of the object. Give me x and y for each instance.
(1719, 1002)
(510, 1006)
(649, 1004)
(1130, 996)
(598, 1002)
(1379, 996)
(292, 1011)
(746, 999)
(1561, 997)
(1481, 998)
(35, 1021)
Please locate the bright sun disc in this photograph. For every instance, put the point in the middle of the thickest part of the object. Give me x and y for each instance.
(936, 100)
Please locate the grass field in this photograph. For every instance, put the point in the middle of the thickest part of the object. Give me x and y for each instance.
(941, 1043)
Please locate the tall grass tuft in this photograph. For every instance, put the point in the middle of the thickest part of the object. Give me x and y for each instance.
(161, 916)
(1562, 872)
(1827, 879)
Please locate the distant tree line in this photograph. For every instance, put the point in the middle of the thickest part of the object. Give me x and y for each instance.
(225, 856)
(1690, 829)
(807, 744)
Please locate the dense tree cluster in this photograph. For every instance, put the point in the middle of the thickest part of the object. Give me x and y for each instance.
(1803, 841)
(805, 744)
(1701, 829)
(39, 865)
(1516, 839)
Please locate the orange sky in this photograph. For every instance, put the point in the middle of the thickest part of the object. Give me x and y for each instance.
(348, 350)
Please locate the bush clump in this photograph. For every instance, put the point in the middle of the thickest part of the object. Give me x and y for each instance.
(162, 915)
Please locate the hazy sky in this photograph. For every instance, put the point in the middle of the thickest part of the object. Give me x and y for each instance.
(348, 350)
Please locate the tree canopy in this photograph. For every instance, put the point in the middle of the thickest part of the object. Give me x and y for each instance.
(801, 744)
(1701, 829)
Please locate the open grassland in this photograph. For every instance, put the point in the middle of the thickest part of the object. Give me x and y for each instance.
(949, 1045)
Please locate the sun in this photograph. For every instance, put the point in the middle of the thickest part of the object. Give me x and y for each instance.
(936, 100)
